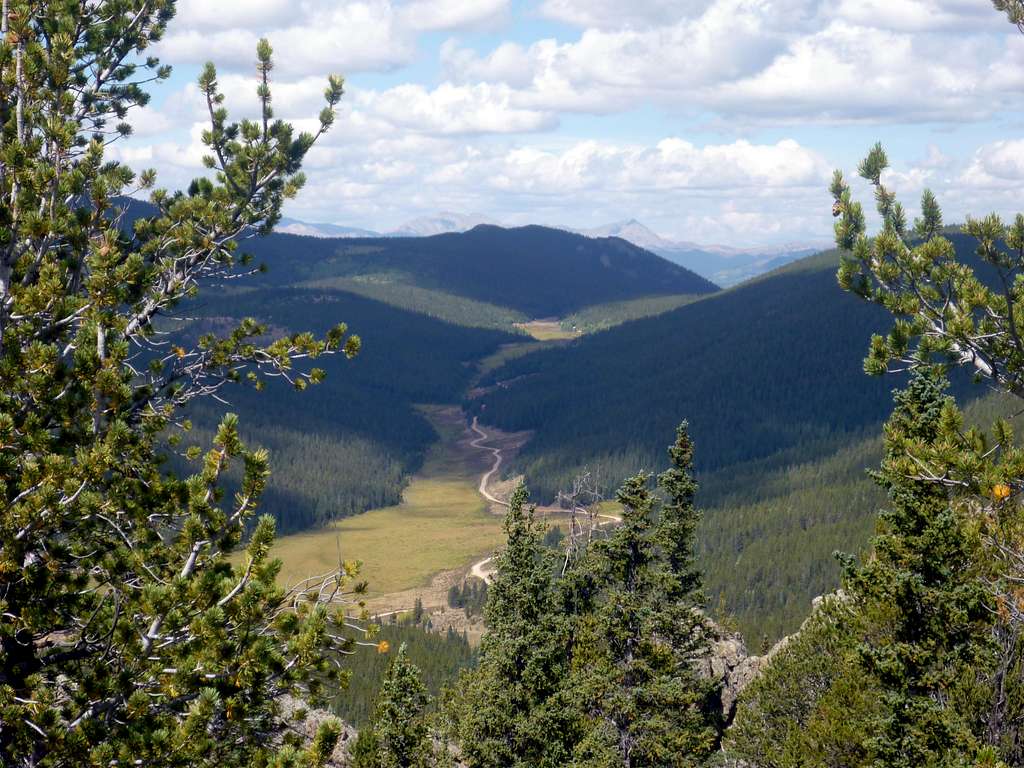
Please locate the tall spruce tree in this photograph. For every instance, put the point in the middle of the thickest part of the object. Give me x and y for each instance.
(920, 591)
(126, 634)
(397, 736)
(636, 649)
(511, 710)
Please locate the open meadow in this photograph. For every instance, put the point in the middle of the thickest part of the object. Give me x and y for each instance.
(442, 523)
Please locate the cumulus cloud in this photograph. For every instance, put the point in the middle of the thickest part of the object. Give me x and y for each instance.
(452, 14)
(454, 109)
(516, 126)
(757, 60)
(614, 14)
(315, 36)
(997, 165)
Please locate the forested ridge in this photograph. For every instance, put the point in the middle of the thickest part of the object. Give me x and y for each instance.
(538, 271)
(771, 366)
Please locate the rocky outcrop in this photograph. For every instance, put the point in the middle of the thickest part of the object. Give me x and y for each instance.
(730, 663)
(305, 721)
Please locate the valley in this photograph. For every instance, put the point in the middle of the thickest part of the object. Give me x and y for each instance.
(417, 548)
(768, 374)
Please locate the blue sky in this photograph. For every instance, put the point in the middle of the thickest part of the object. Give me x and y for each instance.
(712, 121)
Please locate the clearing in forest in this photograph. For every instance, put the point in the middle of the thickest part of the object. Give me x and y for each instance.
(442, 523)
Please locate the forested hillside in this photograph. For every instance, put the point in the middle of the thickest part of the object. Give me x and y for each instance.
(769, 375)
(768, 366)
(350, 443)
(428, 310)
(537, 271)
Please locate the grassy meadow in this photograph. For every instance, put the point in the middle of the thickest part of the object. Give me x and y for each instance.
(547, 330)
(441, 524)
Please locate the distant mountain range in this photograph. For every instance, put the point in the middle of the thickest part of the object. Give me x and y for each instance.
(307, 229)
(723, 265)
(423, 226)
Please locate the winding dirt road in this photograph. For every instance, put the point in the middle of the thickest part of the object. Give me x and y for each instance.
(479, 569)
(485, 478)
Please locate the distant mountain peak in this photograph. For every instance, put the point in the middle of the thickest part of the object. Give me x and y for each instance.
(313, 229)
(445, 221)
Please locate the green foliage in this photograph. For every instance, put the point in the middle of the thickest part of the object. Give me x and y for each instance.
(634, 671)
(944, 308)
(126, 636)
(471, 596)
(811, 705)
(397, 736)
(1014, 10)
(439, 657)
(441, 305)
(511, 710)
(600, 317)
(595, 665)
(911, 665)
(920, 590)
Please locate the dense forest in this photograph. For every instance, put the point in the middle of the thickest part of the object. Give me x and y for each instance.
(349, 444)
(440, 658)
(537, 271)
(769, 376)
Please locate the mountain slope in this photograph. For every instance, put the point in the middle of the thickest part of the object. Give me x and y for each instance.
(446, 221)
(537, 271)
(310, 229)
(348, 444)
(756, 369)
(769, 375)
(724, 265)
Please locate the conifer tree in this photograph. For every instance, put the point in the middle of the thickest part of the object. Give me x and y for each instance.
(921, 590)
(511, 710)
(397, 736)
(636, 651)
(126, 635)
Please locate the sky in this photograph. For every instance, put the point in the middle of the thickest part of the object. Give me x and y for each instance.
(710, 121)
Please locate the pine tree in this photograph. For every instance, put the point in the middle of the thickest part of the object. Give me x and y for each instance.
(635, 673)
(126, 635)
(511, 710)
(397, 736)
(920, 591)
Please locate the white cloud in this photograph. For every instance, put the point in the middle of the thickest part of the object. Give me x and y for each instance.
(613, 14)
(916, 15)
(846, 72)
(997, 165)
(516, 127)
(313, 37)
(454, 109)
(764, 60)
(672, 164)
(452, 14)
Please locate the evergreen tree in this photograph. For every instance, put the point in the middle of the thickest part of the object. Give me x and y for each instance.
(635, 675)
(811, 705)
(920, 591)
(397, 736)
(126, 635)
(511, 710)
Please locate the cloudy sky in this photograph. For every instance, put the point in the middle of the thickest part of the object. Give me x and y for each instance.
(715, 121)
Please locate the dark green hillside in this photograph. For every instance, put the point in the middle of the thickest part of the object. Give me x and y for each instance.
(534, 270)
(785, 422)
(348, 444)
(768, 366)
